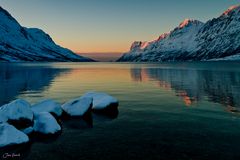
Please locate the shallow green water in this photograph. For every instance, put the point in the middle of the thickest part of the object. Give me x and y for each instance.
(167, 111)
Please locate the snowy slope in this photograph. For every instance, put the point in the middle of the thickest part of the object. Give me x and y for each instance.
(193, 40)
(220, 37)
(18, 43)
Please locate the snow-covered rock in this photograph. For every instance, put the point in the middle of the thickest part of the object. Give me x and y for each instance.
(45, 123)
(18, 110)
(28, 130)
(47, 106)
(193, 40)
(101, 100)
(78, 107)
(19, 43)
(9, 135)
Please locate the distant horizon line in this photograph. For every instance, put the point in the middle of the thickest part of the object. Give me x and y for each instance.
(100, 52)
(102, 56)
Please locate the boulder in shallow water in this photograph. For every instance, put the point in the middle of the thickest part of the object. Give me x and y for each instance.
(28, 130)
(78, 107)
(48, 106)
(102, 101)
(17, 112)
(45, 123)
(9, 135)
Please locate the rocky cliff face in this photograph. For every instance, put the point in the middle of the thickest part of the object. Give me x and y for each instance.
(193, 40)
(18, 43)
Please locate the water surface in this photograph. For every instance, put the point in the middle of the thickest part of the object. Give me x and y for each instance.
(167, 111)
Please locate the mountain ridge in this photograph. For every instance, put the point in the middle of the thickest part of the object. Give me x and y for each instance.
(19, 44)
(192, 40)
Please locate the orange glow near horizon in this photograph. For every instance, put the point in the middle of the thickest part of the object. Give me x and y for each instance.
(95, 47)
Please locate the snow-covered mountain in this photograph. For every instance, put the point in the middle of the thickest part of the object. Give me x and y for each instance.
(18, 43)
(193, 40)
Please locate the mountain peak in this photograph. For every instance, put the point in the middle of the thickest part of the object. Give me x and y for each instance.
(193, 40)
(163, 36)
(187, 22)
(184, 23)
(138, 45)
(18, 43)
(232, 9)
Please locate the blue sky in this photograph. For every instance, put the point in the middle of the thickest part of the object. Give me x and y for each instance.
(109, 25)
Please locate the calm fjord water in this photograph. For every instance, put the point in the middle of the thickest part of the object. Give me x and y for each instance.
(167, 111)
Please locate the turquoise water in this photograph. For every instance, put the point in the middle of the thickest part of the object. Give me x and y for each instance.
(167, 111)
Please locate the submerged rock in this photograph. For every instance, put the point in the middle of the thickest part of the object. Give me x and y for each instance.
(9, 135)
(45, 123)
(48, 106)
(78, 107)
(102, 101)
(17, 112)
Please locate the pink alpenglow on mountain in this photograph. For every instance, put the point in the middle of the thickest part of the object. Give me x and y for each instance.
(193, 40)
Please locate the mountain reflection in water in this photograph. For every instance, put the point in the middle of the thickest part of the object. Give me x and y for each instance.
(18, 79)
(217, 82)
(194, 85)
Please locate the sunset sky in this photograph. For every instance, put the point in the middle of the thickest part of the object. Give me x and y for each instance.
(109, 25)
